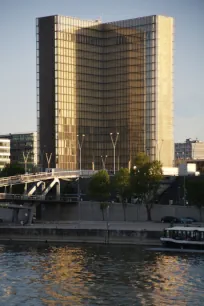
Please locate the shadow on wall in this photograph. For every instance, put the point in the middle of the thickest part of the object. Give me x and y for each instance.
(90, 211)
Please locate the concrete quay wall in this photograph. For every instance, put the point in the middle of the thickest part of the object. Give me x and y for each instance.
(66, 235)
(90, 211)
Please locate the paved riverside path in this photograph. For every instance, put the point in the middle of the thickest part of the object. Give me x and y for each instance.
(133, 226)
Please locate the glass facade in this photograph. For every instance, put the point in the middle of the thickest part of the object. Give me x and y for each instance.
(94, 79)
(20, 144)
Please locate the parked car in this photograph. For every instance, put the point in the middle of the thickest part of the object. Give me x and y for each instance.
(192, 219)
(169, 219)
(188, 220)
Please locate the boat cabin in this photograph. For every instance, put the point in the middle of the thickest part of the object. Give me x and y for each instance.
(184, 233)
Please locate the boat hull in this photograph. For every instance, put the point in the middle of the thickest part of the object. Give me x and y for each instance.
(172, 243)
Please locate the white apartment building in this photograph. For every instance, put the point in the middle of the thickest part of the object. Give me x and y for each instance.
(4, 152)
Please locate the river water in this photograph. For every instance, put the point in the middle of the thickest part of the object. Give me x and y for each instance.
(99, 275)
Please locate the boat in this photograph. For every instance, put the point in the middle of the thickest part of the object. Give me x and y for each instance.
(183, 237)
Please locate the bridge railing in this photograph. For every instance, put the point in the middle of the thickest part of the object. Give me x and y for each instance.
(65, 198)
(28, 178)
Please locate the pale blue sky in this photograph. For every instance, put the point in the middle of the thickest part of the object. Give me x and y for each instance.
(17, 55)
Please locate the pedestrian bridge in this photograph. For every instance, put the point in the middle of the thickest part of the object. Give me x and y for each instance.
(43, 176)
(23, 198)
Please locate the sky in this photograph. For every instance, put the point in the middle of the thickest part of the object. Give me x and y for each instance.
(18, 50)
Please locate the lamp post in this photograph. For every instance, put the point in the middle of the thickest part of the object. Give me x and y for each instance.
(80, 144)
(48, 157)
(25, 157)
(78, 200)
(114, 146)
(104, 161)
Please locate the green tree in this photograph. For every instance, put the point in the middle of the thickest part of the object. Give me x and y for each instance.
(145, 180)
(195, 192)
(140, 160)
(12, 170)
(121, 184)
(99, 188)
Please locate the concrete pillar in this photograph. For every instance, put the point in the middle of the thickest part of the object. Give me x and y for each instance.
(58, 191)
(10, 189)
(15, 215)
(30, 215)
(25, 188)
(43, 186)
(5, 189)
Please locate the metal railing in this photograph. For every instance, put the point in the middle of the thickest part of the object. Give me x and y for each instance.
(65, 198)
(29, 178)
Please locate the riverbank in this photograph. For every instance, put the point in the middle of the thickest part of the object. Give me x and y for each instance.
(138, 233)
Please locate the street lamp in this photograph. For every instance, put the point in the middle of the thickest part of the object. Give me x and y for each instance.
(48, 157)
(25, 157)
(114, 146)
(78, 198)
(104, 161)
(80, 144)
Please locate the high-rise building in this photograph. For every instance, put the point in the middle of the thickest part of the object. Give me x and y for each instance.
(23, 148)
(94, 79)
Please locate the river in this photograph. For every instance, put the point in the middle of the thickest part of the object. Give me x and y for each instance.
(98, 275)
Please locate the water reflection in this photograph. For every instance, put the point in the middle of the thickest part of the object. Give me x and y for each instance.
(98, 275)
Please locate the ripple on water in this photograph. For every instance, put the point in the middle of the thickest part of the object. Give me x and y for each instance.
(99, 275)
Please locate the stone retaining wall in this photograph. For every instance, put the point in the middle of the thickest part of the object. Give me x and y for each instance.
(80, 235)
(90, 211)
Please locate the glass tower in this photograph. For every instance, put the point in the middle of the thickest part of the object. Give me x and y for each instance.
(94, 79)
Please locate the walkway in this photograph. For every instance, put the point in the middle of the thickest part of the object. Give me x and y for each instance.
(42, 176)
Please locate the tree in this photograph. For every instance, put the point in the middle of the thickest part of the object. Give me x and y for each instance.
(121, 184)
(145, 180)
(195, 192)
(99, 188)
(140, 160)
(12, 170)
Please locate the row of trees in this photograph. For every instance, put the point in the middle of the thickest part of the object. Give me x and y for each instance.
(11, 170)
(141, 182)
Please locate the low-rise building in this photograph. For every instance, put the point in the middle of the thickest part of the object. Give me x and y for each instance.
(190, 149)
(23, 149)
(4, 152)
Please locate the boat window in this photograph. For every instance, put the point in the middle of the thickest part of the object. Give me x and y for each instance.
(188, 235)
(197, 234)
(167, 234)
